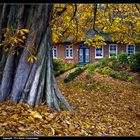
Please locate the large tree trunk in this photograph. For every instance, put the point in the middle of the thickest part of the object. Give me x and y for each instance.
(25, 82)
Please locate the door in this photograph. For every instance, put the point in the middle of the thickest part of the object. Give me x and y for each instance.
(83, 55)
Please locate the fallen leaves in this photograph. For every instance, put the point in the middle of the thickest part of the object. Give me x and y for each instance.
(103, 104)
(31, 119)
(15, 117)
(3, 113)
(53, 131)
(3, 124)
(109, 108)
(23, 129)
(35, 114)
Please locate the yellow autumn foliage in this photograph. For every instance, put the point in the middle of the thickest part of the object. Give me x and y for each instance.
(113, 19)
(31, 59)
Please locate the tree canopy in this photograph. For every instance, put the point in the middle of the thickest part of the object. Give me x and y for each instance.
(119, 22)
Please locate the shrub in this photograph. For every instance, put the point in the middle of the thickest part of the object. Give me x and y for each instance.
(120, 62)
(91, 68)
(96, 64)
(74, 74)
(134, 61)
(114, 63)
(60, 67)
(122, 75)
(106, 71)
(103, 62)
(130, 78)
(113, 74)
(123, 59)
(68, 66)
(135, 67)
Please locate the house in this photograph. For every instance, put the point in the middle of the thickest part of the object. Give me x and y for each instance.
(82, 54)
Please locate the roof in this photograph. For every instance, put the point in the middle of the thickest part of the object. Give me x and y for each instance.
(91, 33)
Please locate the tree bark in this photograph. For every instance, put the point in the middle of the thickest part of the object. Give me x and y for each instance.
(4, 11)
(9, 65)
(30, 83)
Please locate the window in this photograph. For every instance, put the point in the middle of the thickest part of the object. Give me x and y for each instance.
(69, 52)
(54, 52)
(99, 52)
(112, 50)
(130, 49)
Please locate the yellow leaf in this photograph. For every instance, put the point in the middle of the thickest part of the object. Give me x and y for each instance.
(20, 40)
(15, 117)
(31, 119)
(68, 122)
(15, 40)
(25, 30)
(71, 128)
(1, 44)
(53, 131)
(51, 116)
(21, 32)
(4, 113)
(3, 124)
(2, 133)
(32, 58)
(35, 58)
(35, 114)
(23, 129)
(21, 122)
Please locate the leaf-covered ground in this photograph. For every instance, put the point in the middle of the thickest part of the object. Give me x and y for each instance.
(103, 106)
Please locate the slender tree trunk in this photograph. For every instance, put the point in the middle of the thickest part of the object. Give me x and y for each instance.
(4, 11)
(5, 17)
(25, 82)
(9, 65)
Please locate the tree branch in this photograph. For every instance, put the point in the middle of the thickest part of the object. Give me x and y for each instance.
(94, 19)
(74, 14)
(75, 10)
(137, 7)
(58, 14)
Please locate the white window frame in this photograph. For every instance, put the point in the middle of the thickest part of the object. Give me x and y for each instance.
(116, 49)
(102, 53)
(54, 49)
(127, 48)
(69, 47)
